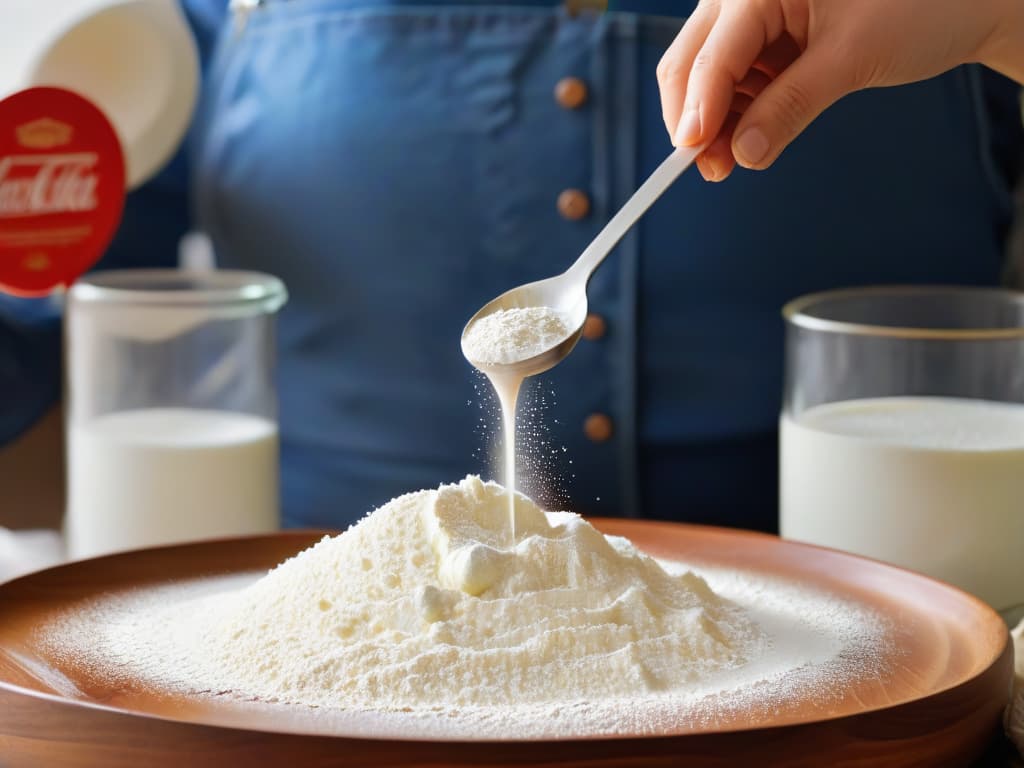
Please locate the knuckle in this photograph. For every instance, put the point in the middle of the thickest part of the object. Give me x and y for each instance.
(670, 69)
(794, 15)
(793, 107)
(703, 61)
(769, 13)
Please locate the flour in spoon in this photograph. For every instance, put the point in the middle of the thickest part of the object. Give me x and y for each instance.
(510, 335)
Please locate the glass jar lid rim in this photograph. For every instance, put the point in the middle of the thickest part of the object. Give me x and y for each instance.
(797, 313)
(178, 288)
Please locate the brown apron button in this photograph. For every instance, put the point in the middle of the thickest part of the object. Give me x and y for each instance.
(571, 92)
(594, 327)
(597, 427)
(573, 204)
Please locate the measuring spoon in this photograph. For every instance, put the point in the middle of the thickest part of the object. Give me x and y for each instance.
(567, 292)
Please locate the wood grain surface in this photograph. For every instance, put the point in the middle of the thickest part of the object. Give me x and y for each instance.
(938, 703)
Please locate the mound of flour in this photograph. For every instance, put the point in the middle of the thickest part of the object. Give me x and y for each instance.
(510, 335)
(427, 603)
(426, 621)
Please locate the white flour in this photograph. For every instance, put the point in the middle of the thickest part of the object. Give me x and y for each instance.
(424, 614)
(511, 335)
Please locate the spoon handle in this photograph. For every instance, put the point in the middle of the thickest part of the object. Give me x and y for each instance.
(663, 176)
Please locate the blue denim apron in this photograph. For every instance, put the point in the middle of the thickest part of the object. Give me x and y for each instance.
(398, 164)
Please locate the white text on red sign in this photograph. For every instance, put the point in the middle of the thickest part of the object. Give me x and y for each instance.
(59, 183)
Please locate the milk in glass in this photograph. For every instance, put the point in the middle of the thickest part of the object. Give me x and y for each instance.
(162, 475)
(930, 483)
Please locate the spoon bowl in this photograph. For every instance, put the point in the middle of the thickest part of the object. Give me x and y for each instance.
(563, 293)
(567, 292)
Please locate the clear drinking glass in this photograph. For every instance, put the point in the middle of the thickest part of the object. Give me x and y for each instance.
(171, 408)
(902, 432)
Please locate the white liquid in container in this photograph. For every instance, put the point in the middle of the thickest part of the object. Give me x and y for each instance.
(156, 476)
(933, 484)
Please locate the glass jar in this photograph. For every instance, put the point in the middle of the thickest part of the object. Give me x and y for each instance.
(902, 432)
(171, 408)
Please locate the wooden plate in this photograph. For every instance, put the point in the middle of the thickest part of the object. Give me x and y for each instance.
(938, 703)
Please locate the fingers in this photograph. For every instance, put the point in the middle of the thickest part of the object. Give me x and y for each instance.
(674, 67)
(778, 55)
(717, 161)
(736, 80)
(787, 105)
(732, 46)
(752, 84)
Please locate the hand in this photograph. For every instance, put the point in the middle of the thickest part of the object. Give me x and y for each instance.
(746, 77)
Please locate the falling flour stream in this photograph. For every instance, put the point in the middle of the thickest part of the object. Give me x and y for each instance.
(508, 388)
(509, 336)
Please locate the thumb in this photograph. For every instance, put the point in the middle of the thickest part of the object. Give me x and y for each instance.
(808, 86)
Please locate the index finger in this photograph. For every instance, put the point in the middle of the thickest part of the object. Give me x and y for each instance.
(675, 64)
(731, 48)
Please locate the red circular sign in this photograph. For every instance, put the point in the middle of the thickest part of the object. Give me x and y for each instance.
(61, 188)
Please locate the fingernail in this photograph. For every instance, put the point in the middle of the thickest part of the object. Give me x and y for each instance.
(688, 131)
(707, 170)
(716, 171)
(710, 169)
(751, 146)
